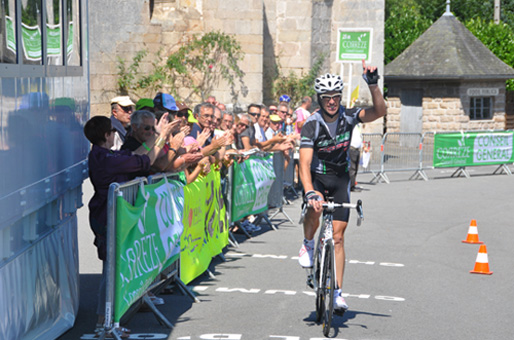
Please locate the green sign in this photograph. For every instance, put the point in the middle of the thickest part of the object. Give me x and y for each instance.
(473, 148)
(53, 39)
(252, 182)
(31, 39)
(205, 225)
(10, 32)
(353, 45)
(147, 240)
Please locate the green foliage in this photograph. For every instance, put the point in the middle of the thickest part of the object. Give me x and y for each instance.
(194, 69)
(297, 87)
(499, 38)
(403, 25)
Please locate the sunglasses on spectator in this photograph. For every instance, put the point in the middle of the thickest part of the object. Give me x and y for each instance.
(276, 122)
(253, 114)
(242, 124)
(126, 108)
(181, 114)
(286, 112)
(328, 96)
(149, 127)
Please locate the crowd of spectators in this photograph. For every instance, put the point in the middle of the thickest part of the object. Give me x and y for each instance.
(162, 135)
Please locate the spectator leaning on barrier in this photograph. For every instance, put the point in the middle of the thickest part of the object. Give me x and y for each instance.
(105, 167)
(163, 103)
(202, 131)
(248, 136)
(227, 121)
(274, 127)
(121, 109)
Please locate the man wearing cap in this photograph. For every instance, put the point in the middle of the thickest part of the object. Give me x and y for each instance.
(145, 104)
(274, 127)
(164, 102)
(121, 109)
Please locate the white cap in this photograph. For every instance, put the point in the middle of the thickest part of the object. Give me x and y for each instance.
(122, 101)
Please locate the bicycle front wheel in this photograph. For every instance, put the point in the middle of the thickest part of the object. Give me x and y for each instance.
(328, 286)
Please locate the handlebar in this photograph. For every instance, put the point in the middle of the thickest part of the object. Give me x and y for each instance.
(331, 206)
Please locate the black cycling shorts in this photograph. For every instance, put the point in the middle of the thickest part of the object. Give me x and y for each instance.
(337, 187)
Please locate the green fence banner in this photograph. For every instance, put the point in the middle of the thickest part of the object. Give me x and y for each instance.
(205, 225)
(473, 148)
(147, 240)
(252, 182)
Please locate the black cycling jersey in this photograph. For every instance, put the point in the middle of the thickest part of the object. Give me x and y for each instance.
(330, 154)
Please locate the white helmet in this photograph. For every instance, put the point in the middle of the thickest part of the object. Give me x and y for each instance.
(328, 82)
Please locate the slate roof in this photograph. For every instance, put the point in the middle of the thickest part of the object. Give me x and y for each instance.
(447, 50)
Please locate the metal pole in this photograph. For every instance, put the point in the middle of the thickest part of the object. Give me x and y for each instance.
(497, 10)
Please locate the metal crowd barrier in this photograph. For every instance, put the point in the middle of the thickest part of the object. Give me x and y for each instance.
(129, 192)
(276, 194)
(172, 272)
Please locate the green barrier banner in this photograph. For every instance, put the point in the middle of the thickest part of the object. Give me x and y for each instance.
(205, 225)
(252, 182)
(473, 148)
(147, 240)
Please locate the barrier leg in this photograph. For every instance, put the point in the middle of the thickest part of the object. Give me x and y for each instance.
(222, 257)
(232, 240)
(264, 216)
(211, 275)
(419, 173)
(461, 171)
(160, 317)
(244, 231)
(501, 169)
(281, 210)
(185, 289)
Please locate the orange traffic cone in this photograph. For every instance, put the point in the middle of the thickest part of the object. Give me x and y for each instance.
(472, 234)
(482, 263)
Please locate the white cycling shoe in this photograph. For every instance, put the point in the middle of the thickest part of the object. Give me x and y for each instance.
(306, 256)
(340, 304)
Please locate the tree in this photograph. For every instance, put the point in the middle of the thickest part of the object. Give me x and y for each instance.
(190, 73)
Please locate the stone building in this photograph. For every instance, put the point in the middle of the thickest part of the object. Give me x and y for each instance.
(286, 33)
(447, 80)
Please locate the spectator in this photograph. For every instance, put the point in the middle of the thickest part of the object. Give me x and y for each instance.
(283, 110)
(274, 128)
(248, 135)
(145, 104)
(222, 107)
(284, 99)
(121, 109)
(242, 124)
(202, 130)
(212, 100)
(164, 102)
(183, 113)
(217, 118)
(302, 113)
(105, 167)
(227, 122)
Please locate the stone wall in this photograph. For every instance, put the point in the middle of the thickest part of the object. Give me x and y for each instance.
(446, 106)
(289, 33)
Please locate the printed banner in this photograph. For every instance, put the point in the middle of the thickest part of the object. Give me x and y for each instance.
(147, 240)
(205, 225)
(473, 148)
(252, 182)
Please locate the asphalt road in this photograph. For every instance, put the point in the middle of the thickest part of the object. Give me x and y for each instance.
(407, 273)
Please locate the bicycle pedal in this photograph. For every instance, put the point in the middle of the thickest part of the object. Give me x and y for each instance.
(339, 311)
(309, 282)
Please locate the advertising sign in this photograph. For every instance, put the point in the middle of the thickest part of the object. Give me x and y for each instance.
(354, 44)
(473, 148)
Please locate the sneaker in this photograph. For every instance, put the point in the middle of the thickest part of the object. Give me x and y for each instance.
(339, 303)
(306, 256)
(249, 227)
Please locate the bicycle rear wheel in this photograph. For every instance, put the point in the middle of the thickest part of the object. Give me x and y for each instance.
(316, 281)
(328, 287)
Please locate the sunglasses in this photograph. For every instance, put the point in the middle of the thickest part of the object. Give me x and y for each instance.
(328, 96)
(149, 127)
(286, 112)
(126, 108)
(253, 114)
(242, 124)
(181, 114)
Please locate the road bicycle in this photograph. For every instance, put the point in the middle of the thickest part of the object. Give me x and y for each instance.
(322, 276)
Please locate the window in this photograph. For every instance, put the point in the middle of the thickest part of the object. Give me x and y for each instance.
(8, 32)
(480, 108)
(40, 38)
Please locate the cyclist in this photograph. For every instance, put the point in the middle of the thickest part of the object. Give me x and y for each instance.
(324, 162)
